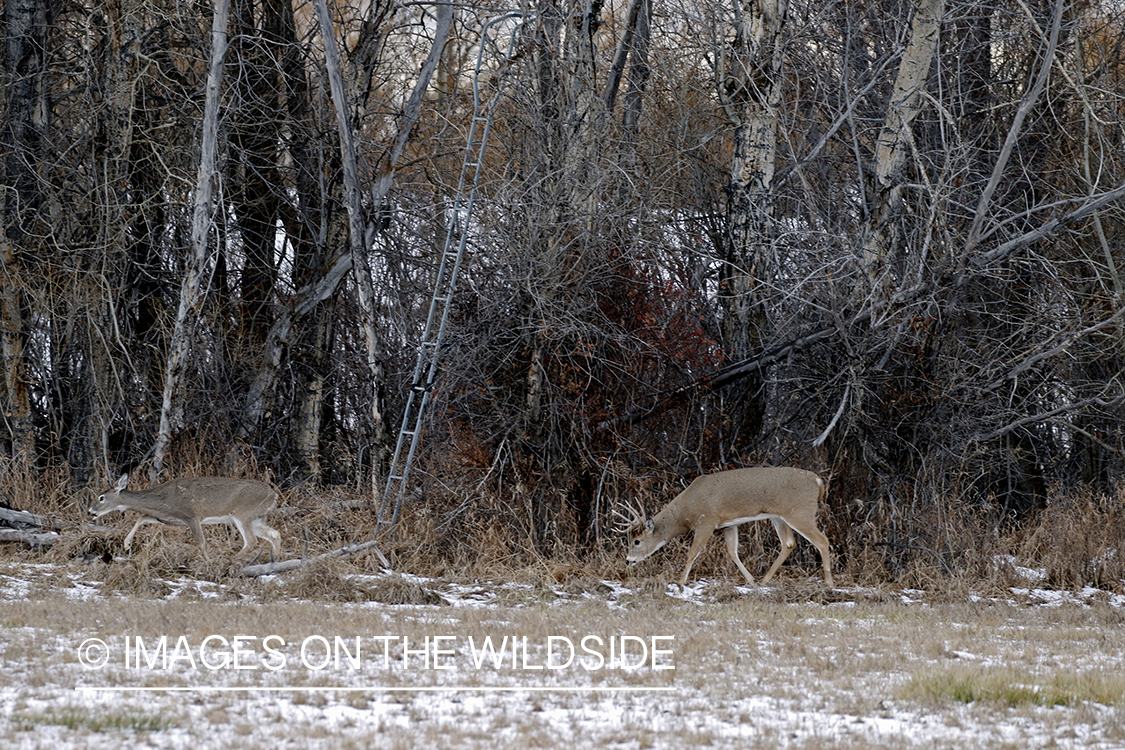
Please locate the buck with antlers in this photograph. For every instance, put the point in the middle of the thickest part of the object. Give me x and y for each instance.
(789, 497)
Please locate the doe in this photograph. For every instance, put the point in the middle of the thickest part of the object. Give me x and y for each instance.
(193, 502)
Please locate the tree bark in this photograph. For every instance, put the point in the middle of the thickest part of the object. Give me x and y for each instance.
(881, 238)
(752, 92)
(307, 230)
(357, 229)
(191, 300)
(25, 113)
(15, 390)
(574, 120)
(639, 71)
(253, 184)
(104, 348)
(624, 46)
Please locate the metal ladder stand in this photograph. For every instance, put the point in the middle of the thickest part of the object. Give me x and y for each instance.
(453, 250)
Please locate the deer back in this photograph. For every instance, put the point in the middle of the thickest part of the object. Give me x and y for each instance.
(197, 498)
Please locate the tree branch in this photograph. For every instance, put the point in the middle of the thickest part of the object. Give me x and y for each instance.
(1014, 131)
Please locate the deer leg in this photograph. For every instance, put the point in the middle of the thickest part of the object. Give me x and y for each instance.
(248, 538)
(809, 531)
(197, 532)
(702, 534)
(271, 534)
(730, 534)
(785, 534)
(129, 537)
(820, 541)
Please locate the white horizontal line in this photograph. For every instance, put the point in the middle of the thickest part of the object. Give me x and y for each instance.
(378, 689)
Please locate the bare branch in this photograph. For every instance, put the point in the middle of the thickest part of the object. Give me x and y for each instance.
(1014, 131)
(1048, 415)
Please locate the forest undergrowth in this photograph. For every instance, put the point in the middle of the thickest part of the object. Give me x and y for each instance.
(455, 531)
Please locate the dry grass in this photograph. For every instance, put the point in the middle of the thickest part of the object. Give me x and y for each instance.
(462, 532)
(1077, 540)
(797, 665)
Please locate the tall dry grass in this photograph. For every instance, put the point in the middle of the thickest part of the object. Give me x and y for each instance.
(459, 527)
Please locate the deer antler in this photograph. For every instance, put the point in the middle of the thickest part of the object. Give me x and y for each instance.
(634, 518)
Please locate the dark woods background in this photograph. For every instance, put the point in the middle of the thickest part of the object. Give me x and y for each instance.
(882, 240)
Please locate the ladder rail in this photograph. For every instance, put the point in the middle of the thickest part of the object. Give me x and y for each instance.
(445, 279)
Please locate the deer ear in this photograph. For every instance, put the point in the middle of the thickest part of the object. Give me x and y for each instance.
(649, 526)
(122, 482)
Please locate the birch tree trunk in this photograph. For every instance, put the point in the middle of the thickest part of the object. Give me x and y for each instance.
(752, 90)
(310, 238)
(191, 298)
(881, 237)
(357, 233)
(357, 230)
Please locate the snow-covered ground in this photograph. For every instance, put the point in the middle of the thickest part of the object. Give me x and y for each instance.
(202, 665)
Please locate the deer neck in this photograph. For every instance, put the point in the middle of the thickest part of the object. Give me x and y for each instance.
(670, 523)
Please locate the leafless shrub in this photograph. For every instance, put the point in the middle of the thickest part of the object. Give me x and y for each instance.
(1077, 540)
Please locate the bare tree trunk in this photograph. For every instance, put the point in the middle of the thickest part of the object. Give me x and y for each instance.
(357, 231)
(312, 363)
(307, 299)
(14, 389)
(633, 46)
(575, 131)
(191, 299)
(639, 72)
(881, 238)
(254, 179)
(24, 121)
(309, 235)
(116, 214)
(636, 9)
(752, 91)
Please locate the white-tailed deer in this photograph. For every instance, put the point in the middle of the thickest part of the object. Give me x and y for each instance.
(193, 502)
(723, 500)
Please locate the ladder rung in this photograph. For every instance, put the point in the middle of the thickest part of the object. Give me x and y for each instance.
(460, 222)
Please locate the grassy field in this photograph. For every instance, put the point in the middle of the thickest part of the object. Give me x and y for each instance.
(338, 658)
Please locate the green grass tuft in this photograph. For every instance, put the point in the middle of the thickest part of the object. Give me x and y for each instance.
(1013, 688)
(81, 718)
